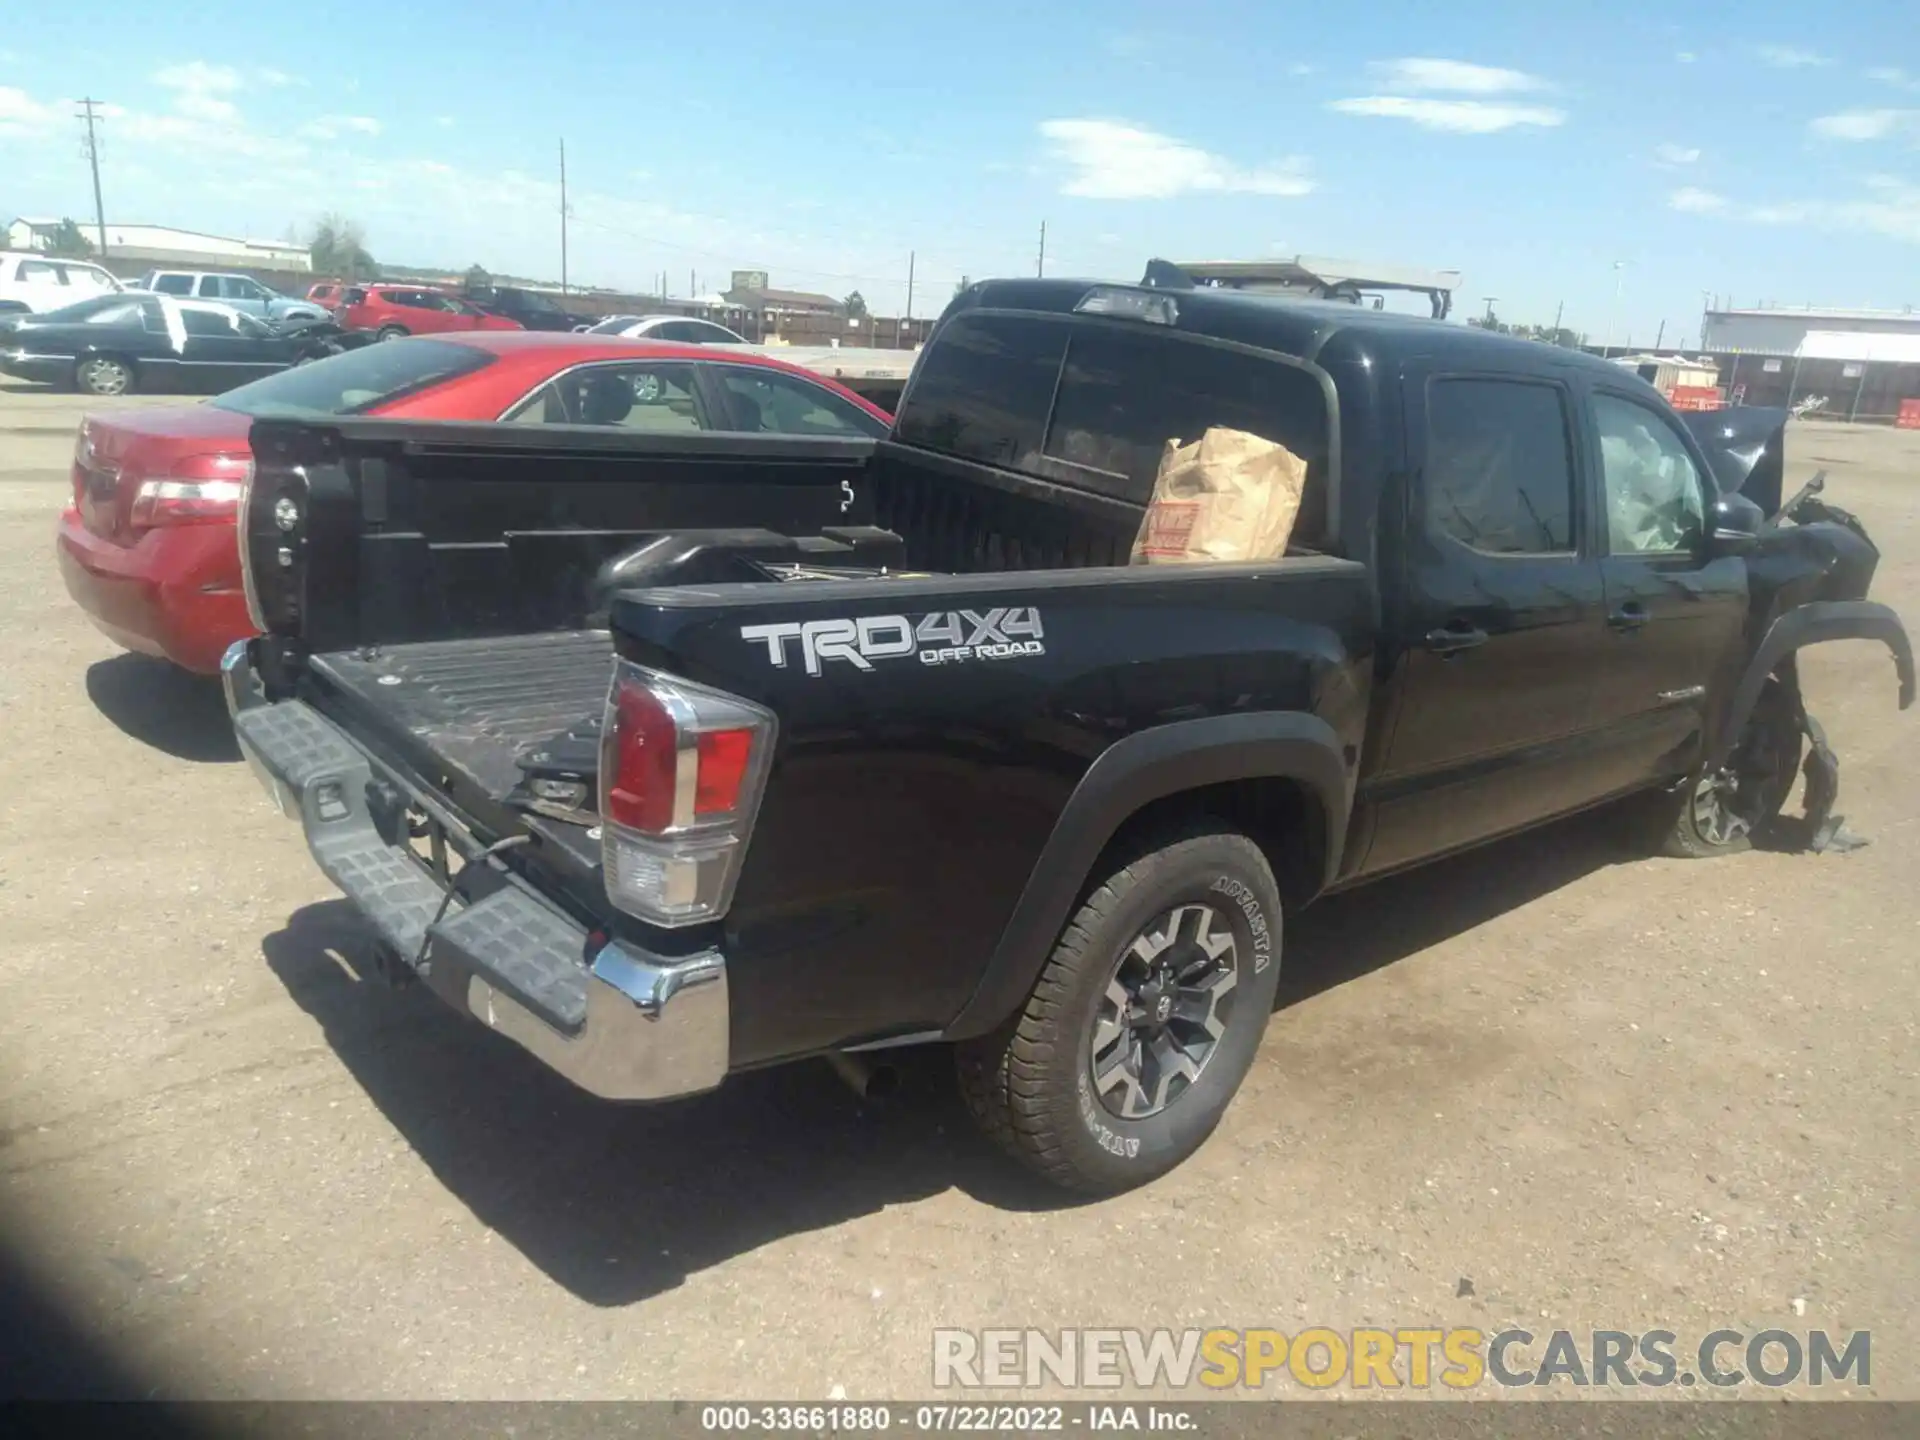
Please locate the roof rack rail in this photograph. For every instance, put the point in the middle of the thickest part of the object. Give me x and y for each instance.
(1306, 276)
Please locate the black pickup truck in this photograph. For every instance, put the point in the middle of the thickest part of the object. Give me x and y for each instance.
(672, 755)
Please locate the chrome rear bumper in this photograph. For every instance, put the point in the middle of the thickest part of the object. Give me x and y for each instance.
(624, 1025)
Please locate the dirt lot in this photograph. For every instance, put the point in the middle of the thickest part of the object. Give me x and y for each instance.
(1548, 1084)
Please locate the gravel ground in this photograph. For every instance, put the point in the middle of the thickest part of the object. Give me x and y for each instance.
(1548, 1084)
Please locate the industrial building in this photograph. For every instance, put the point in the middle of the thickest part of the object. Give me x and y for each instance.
(1859, 364)
(142, 245)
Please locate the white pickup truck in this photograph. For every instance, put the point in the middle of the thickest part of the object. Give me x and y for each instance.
(38, 283)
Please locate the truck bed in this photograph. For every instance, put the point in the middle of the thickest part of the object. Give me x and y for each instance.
(469, 706)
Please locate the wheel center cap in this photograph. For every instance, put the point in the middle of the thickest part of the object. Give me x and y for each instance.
(1162, 1008)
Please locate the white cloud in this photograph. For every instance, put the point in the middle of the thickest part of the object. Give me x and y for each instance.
(1453, 75)
(1696, 201)
(1301, 68)
(1671, 155)
(200, 90)
(445, 122)
(1862, 124)
(1685, 57)
(198, 75)
(1889, 206)
(21, 114)
(1467, 117)
(1893, 75)
(1790, 57)
(277, 78)
(331, 127)
(1112, 160)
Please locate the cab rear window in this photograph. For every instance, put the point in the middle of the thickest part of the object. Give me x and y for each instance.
(356, 382)
(1093, 404)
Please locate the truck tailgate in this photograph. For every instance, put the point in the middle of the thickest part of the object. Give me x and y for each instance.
(470, 706)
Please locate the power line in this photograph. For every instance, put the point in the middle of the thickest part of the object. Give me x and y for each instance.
(563, 216)
(93, 159)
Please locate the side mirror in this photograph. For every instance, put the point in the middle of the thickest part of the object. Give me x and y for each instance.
(1733, 525)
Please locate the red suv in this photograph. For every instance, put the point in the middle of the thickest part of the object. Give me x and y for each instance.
(326, 294)
(391, 311)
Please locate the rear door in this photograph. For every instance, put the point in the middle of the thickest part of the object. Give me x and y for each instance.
(760, 400)
(1502, 617)
(43, 285)
(1674, 617)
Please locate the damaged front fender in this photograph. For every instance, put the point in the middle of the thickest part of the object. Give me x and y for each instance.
(1813, 624)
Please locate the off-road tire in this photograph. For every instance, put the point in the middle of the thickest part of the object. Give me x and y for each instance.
(1676, 825)
(1028, 1084)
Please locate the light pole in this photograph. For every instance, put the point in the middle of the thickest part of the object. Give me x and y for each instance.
(1491, 300)
(1613, 313)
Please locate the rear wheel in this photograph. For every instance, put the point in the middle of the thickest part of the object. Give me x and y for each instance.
(104, 375)
(392, 332)
(1143, 1022)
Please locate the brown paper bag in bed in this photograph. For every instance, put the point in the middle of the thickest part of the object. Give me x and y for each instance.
(1228, 496)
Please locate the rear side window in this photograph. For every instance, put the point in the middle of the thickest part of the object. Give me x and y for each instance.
(355, 296)
(355, 382)
(984, 391)
(1499, 470)
(174, 284)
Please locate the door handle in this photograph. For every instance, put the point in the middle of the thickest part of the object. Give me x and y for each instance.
(1454, 637)
(1630, 616)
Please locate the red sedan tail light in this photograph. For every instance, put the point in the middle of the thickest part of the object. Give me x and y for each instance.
(197, 490)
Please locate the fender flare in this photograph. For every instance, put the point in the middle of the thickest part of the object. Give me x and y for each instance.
(1146, 766)
(1813, 624)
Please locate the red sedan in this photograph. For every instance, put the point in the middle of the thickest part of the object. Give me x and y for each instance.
(393, 311)
(147, 548)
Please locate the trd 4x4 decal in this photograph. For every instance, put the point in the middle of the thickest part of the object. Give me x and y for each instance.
(941, 638)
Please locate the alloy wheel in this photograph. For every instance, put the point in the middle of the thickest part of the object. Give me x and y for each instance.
(105, 377)
(1165, 1009)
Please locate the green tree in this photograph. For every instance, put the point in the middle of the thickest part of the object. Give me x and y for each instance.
(856, 306)
(339, 247)
(69, 242)
(477, 278)
(960, 285)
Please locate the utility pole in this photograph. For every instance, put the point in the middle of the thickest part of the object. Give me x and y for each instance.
(693, 286)
(93, 159)
(563, 217)
(1041, 268)
(1558, 311)
(1662, 335)
(1488, 322)
(1613, 312)
(910, 259)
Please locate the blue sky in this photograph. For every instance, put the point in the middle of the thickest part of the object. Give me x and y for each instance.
(1530, 146)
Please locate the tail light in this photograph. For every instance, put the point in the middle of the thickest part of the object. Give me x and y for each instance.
(197, 490)
(682, 768)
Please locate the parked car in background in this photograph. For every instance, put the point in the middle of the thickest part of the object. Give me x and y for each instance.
(531, 309)
(242, 292)
(326, 294)
(677, 328)
(117, 344)
(391, 311)
(147, 547)
(34, 283)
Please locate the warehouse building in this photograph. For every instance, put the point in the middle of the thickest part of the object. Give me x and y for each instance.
(141, 245)
(1858, 364)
